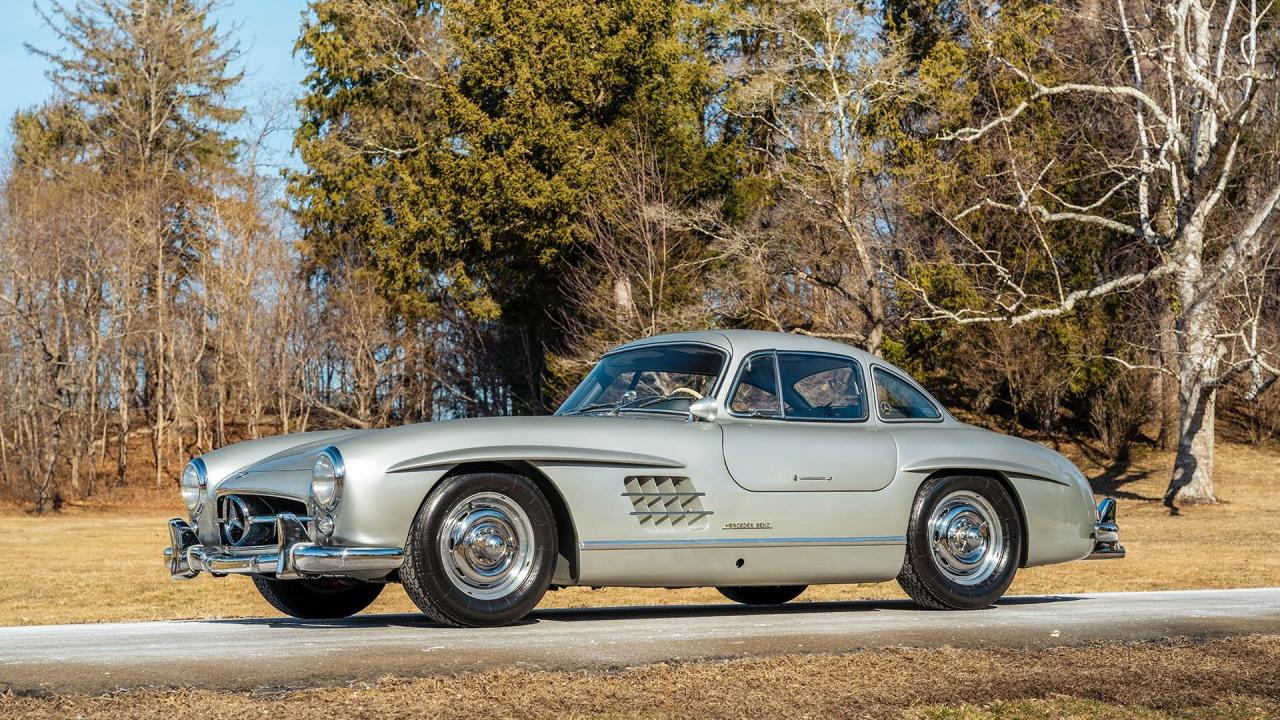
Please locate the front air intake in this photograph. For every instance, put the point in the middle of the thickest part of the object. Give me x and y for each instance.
(666, 503)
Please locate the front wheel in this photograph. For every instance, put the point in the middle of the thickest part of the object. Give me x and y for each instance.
(762, 594)
(963, 543)
(481, 550)
(322, 599)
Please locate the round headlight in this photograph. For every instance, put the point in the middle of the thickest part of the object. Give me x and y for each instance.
(326, 478)
(194, 480)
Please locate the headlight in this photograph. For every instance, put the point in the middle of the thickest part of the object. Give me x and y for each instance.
(326, 478)
(194, 480)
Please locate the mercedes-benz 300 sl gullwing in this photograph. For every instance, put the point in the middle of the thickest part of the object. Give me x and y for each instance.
(758, 463)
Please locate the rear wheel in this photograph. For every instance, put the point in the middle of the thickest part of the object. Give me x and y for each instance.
(322, 599)
(763, 594)
(963, 543)
(481, 550)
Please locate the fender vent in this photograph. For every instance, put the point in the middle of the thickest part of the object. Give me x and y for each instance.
(663, 503)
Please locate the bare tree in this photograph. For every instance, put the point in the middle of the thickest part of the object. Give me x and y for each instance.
(645, 260)
(817, 70)
(1191, 198)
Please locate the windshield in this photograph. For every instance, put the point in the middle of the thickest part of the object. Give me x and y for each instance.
(660, 377)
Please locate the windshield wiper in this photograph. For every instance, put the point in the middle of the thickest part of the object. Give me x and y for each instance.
(648, 400)
(617, 406)
(596, 407)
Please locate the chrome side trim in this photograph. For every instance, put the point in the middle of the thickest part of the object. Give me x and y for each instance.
(742, 543)
(664, 494)
(535, 454)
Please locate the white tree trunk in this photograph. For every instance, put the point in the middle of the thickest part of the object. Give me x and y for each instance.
(1192, 479)
(1193, 466)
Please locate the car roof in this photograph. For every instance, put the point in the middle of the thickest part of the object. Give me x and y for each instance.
(743, 342)
(739, 343)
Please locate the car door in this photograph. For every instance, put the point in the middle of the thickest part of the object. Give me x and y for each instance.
(799, 422)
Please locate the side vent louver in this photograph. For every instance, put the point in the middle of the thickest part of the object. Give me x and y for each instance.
(666, 503)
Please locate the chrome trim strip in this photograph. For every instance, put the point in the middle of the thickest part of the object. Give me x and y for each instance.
(742, 543)
(535, 454)
(672, 512)
(663, 494)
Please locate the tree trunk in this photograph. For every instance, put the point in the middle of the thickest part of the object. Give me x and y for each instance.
(1166, 391)
(875, 328)
(1192, 480)
(1193, 466)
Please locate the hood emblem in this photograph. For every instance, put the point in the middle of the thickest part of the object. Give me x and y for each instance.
(235, 519)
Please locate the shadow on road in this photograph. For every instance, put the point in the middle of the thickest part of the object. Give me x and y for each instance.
(633, 612)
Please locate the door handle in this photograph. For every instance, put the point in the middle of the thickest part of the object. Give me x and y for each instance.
(810, 478)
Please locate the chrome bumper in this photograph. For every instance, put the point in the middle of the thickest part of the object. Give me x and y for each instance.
(295, 556)
(1106, 534)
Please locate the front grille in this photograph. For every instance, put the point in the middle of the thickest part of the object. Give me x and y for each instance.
(667, 503)
(250, 520)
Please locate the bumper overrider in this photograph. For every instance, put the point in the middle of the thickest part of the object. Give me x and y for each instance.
(295, 555)
(1106, 534)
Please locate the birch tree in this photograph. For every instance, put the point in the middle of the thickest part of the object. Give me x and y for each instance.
(1183, 183)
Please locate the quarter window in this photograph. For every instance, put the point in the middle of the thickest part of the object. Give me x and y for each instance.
(756, 393)
(896, 399)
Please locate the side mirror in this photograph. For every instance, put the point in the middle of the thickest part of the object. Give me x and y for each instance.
(706, 409)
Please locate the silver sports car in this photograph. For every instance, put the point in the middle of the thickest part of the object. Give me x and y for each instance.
(754, 462)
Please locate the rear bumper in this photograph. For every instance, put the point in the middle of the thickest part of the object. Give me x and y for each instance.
(1106, 534)
(294, 556)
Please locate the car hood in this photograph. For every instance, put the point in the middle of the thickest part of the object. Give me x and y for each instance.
(409, 447)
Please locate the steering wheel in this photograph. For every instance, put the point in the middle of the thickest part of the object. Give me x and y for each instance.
(686, 391)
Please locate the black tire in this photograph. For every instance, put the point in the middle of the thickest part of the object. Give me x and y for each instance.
(322, 599)
(922, 575)
(431, 583)
(763, 594)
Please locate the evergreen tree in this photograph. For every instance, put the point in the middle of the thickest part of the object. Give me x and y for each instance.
(451, 148)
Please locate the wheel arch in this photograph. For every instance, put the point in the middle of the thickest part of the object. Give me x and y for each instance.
(1008, 486)
(566, 532)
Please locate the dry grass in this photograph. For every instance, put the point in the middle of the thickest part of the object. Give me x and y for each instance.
(94, 565)
(1234, 678)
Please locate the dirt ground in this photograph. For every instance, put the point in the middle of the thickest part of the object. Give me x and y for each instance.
(1230, 678)
(100, 564)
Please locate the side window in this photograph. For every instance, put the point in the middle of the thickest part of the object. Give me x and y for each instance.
(822, 387)
(897, 400)
(757, 389)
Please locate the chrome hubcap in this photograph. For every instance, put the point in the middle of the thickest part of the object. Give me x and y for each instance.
(966, 537)
(486, 542)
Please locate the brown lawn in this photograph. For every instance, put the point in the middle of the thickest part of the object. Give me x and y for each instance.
(1232, 678)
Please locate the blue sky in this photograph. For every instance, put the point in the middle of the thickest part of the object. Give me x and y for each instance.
(265, 29)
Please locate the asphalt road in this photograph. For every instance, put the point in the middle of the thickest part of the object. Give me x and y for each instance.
(281, 652)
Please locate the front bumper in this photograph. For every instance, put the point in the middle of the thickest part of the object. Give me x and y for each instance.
(1106, 534)
(295, 556)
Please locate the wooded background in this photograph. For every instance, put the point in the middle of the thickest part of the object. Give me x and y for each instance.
(1061, 216)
